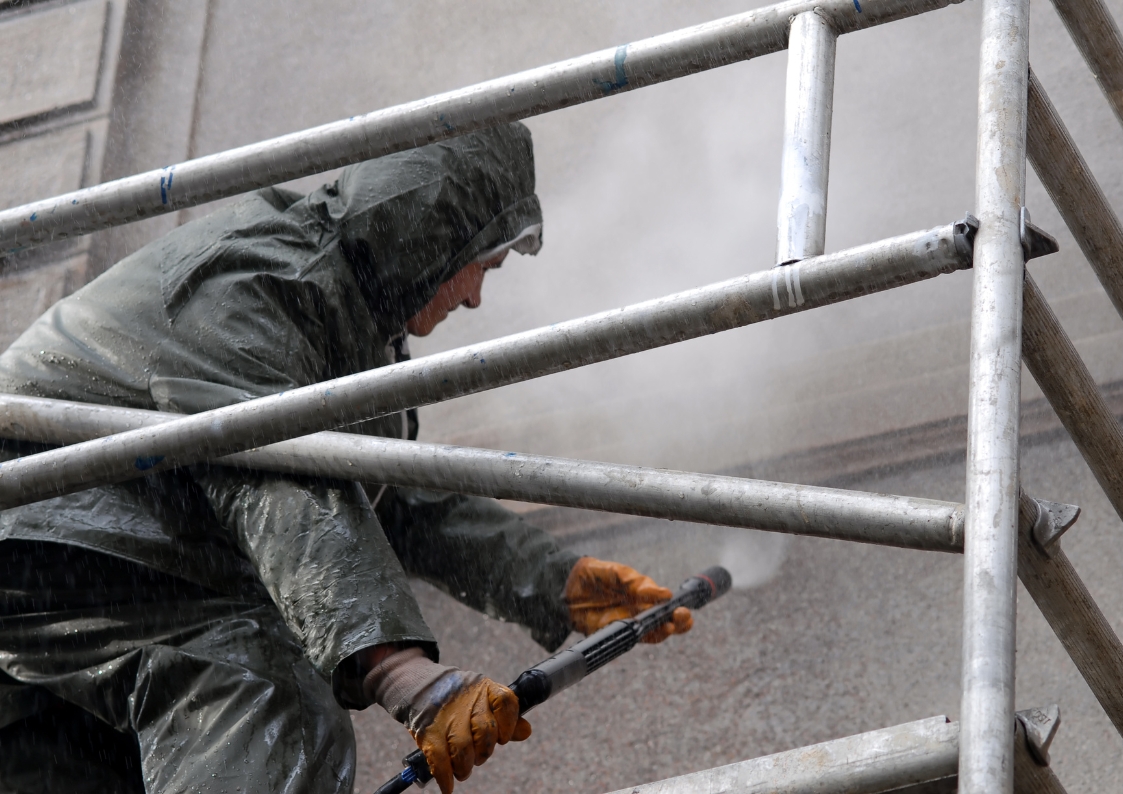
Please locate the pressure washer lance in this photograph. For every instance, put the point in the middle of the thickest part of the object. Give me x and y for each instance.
(564, 669)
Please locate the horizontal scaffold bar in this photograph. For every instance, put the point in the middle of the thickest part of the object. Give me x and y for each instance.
(530, 93)
(776, 292)
(919, 757)
(891, 758)
(900, 521)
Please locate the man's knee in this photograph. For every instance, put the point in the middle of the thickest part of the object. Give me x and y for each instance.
(240, 705)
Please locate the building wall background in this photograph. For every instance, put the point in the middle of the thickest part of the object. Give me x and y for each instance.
(675, 186)
(646, 193)
(55, 101)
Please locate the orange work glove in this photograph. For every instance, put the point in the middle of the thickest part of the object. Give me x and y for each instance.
(466, 729)
(600, 592)
(455, 716)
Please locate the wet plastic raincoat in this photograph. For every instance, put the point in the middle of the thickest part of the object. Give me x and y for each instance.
(270, 293)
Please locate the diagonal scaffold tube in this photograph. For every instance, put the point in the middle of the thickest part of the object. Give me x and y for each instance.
(742, 301)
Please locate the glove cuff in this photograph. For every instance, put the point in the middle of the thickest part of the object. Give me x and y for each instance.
(412, 688)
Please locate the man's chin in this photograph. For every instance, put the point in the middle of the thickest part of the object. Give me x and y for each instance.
(421, 328)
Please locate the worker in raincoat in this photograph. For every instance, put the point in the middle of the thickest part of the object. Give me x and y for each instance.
(207, 628)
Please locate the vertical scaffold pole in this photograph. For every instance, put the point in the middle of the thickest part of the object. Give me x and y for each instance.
(991, 533)
(809, 100)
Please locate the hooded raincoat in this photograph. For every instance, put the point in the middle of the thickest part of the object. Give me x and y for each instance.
(291, 575)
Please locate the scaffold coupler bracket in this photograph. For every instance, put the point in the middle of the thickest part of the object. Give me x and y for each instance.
(1035, 241)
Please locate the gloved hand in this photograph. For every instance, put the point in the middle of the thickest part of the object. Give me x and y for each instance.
(455, 716)
(600, 592)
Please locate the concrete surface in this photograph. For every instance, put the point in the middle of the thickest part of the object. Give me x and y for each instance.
(26, 294)
(58, 71)
(44, 165)
(154, 109)
(37, 75)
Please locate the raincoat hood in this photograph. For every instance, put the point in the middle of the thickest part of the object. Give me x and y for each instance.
(410, 221)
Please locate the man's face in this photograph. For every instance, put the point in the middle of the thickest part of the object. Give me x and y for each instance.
(463, 289)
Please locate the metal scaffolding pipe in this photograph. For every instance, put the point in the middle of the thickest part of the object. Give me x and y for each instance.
(530, 93)
(1097, 37)
(899, 521)
(804, 165)
(991, 537)
(889, 759)
(1055, 364)
(915, 758)
(1073, 614)
(1075, 192)
(1063, 599)
(686, 315)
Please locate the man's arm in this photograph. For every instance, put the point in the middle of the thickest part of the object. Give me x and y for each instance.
(324, 560)
(314, 543)
(484, 556)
